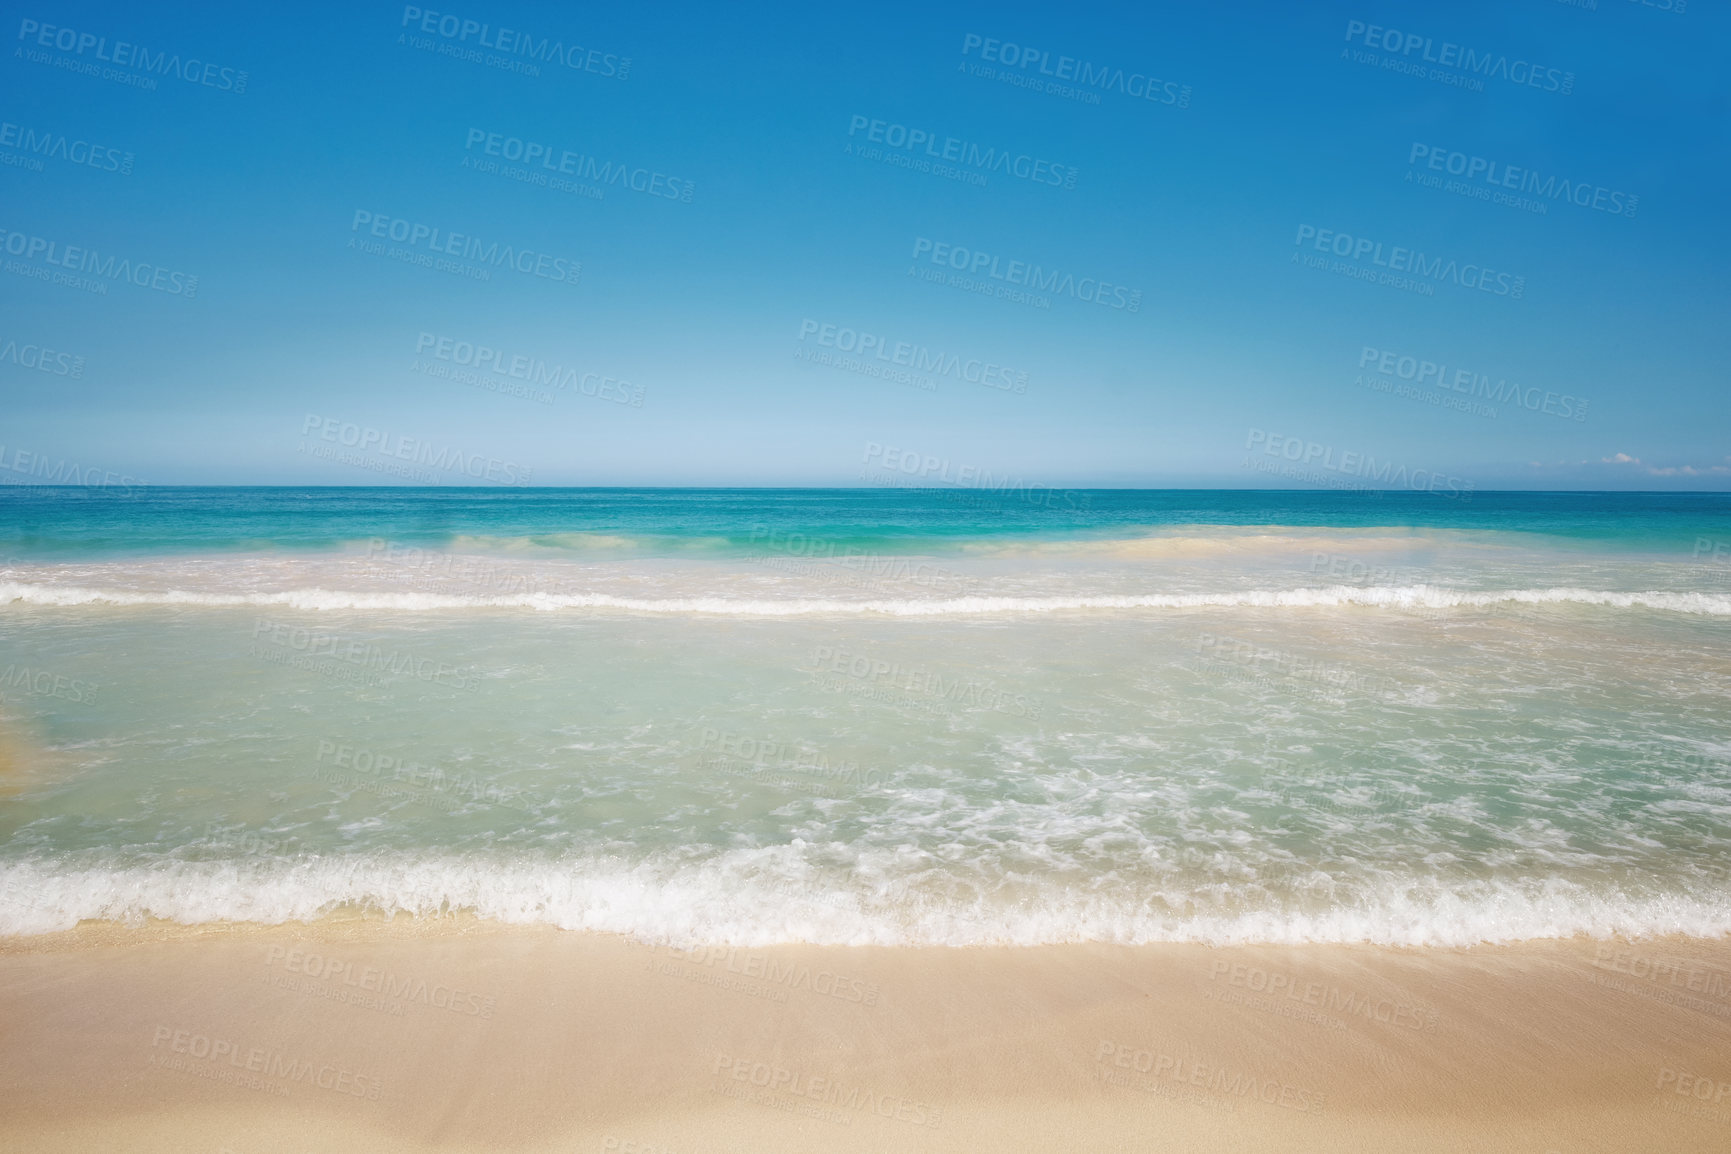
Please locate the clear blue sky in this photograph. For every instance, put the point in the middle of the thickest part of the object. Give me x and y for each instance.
(1192, 157)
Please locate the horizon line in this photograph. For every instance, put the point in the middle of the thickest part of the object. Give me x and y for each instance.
(137, 485)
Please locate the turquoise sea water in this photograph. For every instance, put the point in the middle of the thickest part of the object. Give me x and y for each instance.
(943, 716)
(71, 523)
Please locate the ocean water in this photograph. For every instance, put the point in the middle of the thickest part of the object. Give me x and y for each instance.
(947, 716)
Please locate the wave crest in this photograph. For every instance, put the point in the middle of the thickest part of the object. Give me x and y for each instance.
(1380, 597)
(762, 897)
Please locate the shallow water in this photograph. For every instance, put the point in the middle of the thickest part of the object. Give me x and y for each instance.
(869, 716)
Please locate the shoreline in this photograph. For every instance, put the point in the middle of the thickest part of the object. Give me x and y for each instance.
(363, 1033)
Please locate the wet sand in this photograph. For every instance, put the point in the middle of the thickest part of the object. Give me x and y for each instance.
(466, 1036)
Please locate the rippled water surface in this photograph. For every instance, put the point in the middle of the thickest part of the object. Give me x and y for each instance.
(944, 717)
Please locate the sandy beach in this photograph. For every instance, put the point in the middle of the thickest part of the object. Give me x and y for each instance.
(463, 1035)
(952, 578)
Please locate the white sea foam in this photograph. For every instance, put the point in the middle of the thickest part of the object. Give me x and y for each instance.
(764, 897)
(1380, 597)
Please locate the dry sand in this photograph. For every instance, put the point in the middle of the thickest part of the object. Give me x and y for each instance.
(395, 1036)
